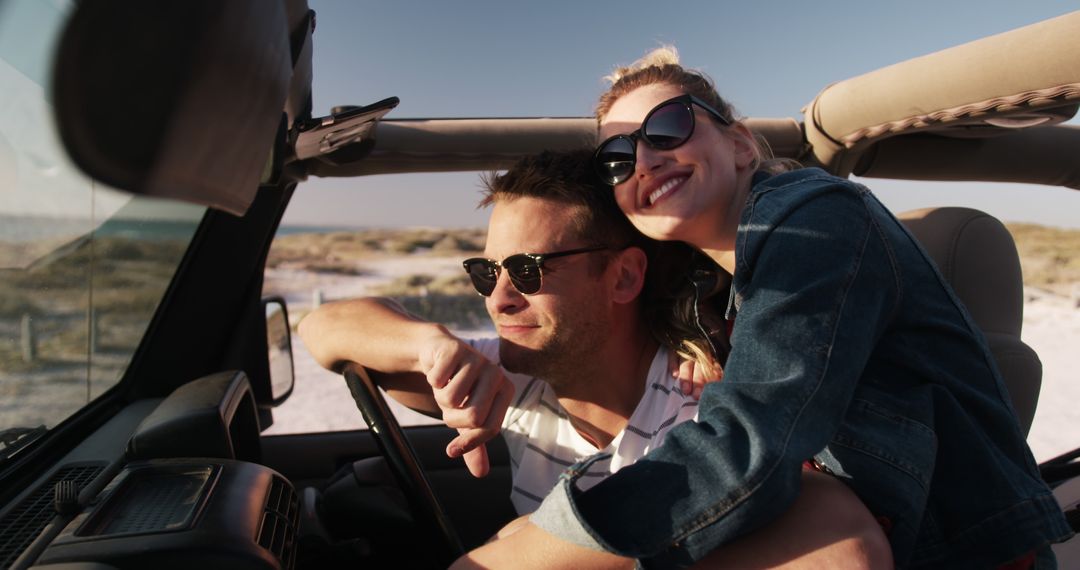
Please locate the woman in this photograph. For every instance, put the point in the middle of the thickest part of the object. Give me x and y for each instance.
(848, 351)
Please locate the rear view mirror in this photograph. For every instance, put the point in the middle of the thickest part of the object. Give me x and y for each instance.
(279, 346)
(179, 100)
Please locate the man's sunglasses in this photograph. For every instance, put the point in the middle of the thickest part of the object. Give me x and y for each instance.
(526, 270)
(667, 126)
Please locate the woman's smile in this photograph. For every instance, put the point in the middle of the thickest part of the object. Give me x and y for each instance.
(664, 190)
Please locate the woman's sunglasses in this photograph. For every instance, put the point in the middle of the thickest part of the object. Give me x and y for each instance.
(526, 270)
(667, 126)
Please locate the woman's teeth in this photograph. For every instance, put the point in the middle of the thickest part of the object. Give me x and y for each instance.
(664, 189)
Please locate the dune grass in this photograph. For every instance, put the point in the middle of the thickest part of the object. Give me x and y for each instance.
(339, 252)
(1049, 257)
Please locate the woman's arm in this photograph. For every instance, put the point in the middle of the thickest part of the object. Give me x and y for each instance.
(814, 287)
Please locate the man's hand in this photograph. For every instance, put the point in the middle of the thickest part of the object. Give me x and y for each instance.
(693, 376)
(472, 393)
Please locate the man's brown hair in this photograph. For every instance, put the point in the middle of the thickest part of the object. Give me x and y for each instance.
(568, 177)
(667, 304)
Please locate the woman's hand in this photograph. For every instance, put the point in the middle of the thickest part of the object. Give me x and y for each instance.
(693, 375)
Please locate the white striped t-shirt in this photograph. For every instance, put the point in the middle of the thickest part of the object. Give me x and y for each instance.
(542, 442)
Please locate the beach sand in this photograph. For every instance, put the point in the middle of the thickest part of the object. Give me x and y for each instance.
(321, 401)
(1052, 329)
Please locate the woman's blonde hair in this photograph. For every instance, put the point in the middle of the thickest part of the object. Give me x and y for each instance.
(661, 65)
(686, 298)
(683, 303)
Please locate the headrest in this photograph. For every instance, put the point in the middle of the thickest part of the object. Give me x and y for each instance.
(977, 256)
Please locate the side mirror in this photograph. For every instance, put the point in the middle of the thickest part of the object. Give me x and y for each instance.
(279, 345)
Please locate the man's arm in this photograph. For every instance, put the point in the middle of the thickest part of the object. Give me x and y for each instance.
(826, 527)
(418, 363)
(381, 336)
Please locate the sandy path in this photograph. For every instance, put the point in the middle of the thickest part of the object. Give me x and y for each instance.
(320, 400)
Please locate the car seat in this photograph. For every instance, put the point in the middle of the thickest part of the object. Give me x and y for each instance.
(977, 256)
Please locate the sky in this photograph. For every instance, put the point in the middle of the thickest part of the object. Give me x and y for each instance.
(502, 58)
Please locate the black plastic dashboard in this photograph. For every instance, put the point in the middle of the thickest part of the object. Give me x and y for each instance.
(184, 513)
(167, 483)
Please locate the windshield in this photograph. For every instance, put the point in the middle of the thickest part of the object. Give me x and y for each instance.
(82, 267)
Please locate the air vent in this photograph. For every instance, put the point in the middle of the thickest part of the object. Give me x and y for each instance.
(280, 517)
(22, 524)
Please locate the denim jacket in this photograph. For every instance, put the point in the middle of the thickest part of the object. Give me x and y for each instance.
(849, 348)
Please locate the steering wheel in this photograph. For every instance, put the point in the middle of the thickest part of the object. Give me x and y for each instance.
(403, 461)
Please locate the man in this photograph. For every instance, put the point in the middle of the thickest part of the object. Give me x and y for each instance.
(581, 331)
(573, 317)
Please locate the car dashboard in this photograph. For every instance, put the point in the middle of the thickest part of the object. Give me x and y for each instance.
(185, 491)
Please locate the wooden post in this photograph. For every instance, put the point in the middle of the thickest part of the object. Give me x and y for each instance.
(29, 343)
(93, 324)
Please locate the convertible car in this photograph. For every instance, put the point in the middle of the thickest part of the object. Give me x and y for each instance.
(148, 151)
